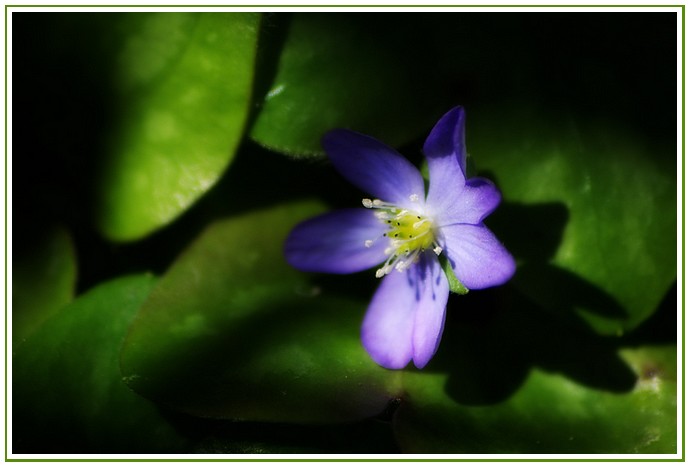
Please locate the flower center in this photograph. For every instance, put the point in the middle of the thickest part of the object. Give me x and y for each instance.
(409, 235)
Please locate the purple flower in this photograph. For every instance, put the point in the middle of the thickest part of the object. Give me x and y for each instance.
(405, 230)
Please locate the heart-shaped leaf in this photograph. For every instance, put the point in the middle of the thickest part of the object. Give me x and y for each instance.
(184, 84)
(232, 331)
(549, 414)
(358, 71)
(593, 214)
(68, 394)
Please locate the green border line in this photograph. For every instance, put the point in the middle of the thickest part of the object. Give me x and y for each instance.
(6, 308)
(390, 459)
(682, 315)
(354, 6)
(240, 459)
(254, 459)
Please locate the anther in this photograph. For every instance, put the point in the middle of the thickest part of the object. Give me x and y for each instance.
(409, 235)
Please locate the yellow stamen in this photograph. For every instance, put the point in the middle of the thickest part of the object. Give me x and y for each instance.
(409, 235)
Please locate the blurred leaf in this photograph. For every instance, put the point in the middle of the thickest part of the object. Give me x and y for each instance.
(68, 394)
(226, 437)
(364, 72)
(43, 280)
(615, 257)
(185, 82)
(232, 331)
(549, 414)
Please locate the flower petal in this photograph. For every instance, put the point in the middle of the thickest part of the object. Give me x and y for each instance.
(389, 322)
(334, 242)
(468, 205)
(431, 312)
(478, 259)
(447, 138)
(445, 153)
(373, 167)
(405, 318)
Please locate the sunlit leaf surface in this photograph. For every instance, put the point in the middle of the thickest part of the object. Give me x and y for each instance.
(185, 81)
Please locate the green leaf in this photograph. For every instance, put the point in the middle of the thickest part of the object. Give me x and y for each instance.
(604, 245)
(548, 414)
(367, 73)
(184, 84)
(43, 280)
(455, 285)
(367, 436)
(68, 394)
(232, 331)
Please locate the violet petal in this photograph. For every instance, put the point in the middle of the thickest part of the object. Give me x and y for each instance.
(373, 167)
(389, 322)
(447, 139)
(478, 259)
(405, 318)
(469, 204)
(445, 155)
(431, 312)
(335, 242)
